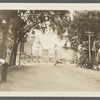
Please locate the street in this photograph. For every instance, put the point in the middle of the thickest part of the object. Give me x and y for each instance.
(46, 77)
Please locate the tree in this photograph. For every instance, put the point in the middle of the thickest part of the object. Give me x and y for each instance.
(84, 21)
(17, 25)
(5, 17)
(26, 20)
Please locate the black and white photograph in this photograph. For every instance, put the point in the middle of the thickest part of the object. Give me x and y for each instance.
(50, 50)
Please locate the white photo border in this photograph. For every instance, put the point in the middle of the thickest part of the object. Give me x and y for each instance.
(49, 6)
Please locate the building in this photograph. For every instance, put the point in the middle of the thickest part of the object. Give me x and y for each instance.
(26, 51)
(37, 50)
(51, 55)
(45, 55)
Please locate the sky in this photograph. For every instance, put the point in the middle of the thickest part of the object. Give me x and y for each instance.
(48, 40)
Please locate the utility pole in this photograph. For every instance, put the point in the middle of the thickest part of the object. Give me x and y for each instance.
(89, 35)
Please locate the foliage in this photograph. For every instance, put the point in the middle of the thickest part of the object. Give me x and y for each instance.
(85, 21)
(20, 22)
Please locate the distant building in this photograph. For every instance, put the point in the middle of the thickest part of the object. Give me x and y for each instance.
(45, 55)
(37, 50)
(26, 50)
(51, 55)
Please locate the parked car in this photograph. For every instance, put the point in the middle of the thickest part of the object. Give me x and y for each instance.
(60, 61)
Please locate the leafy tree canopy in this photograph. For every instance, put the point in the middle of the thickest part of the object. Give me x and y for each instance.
(84, 21)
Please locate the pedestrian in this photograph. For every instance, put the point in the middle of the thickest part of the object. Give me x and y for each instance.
(4, 67)
(55, 54)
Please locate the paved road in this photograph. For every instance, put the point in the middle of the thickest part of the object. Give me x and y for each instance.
(46, 77)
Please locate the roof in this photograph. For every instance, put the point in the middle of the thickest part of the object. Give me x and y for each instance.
(31, 40)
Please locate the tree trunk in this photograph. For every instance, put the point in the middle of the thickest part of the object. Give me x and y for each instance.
(5, 27)
(14, 55)
(2, 48)
(20, 52)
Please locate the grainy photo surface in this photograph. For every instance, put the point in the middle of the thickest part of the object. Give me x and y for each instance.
(50, 50)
